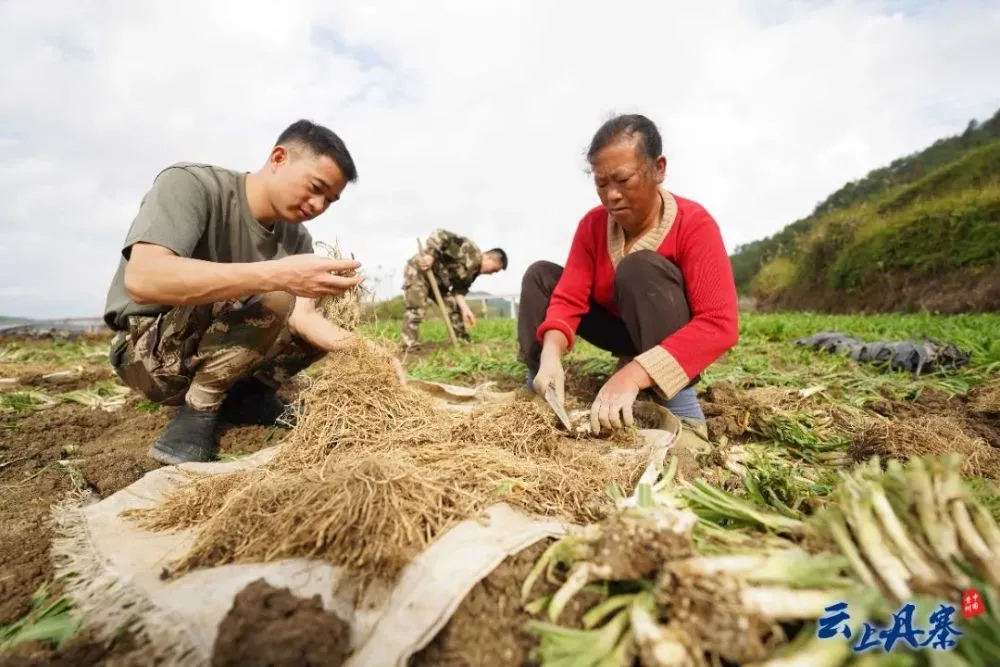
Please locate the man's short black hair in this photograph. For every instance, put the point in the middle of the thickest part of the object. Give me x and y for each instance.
(501, 254)
(627, 125)
(321, 141)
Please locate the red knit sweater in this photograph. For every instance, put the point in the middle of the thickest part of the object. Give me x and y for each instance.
(687, 235)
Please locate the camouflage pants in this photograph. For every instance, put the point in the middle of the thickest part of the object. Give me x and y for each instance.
(195, 354)
(416, 297)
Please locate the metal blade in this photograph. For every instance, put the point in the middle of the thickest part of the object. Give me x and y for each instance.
(553, 401)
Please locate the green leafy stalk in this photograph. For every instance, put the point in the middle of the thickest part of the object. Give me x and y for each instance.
(564, 551)
(908, 551)
(569, 646)
(833, 521)
(987, 526)
(937, 527)
(599, 612)
(973, 543)
(718, 505)
(892, 572)
(794, 568)
(581, 575)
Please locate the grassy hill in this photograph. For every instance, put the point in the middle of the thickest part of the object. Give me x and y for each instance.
(921, 233)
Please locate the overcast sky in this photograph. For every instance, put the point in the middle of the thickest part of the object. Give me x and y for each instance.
(473, 116)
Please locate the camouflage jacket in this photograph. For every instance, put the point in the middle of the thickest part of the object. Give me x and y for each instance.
(456, 262)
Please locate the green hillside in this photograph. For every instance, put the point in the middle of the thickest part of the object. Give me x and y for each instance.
(922, 233)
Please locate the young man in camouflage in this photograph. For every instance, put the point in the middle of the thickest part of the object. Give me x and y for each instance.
(456, 262)
(213, 300)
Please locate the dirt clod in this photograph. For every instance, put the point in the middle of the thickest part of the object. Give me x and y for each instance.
(271, 627)
(635, 544)
(726, 411)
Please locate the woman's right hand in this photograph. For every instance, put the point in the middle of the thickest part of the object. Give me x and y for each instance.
(550, 373)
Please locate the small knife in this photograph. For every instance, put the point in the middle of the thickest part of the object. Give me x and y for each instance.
(553, 401)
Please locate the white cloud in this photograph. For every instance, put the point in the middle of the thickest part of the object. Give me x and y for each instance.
(470, 116)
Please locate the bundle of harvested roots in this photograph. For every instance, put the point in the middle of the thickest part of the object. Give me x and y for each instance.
(374, 472)
(907, 534)
(343, 310)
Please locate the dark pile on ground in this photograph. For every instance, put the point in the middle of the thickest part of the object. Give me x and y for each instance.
(270, 627)
(488, 627)
(61, 381)
(978, 412)
(82, 651)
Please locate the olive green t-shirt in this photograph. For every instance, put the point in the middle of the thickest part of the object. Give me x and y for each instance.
(199, 211)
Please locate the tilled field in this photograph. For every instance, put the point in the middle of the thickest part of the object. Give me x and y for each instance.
(783, 417)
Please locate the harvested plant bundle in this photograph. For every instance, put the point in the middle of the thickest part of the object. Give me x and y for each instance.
(773, 477)
(910, 533)
(715, 507)
(374, 472)
(907, 529)
(669, 606)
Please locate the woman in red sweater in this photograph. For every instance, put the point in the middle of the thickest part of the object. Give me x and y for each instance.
(647, 279)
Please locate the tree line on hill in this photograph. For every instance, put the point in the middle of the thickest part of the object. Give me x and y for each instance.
(922, 233)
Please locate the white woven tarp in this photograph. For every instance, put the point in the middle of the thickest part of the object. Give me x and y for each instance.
(113, 568)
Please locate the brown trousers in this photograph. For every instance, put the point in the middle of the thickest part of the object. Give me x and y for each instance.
(648, 293)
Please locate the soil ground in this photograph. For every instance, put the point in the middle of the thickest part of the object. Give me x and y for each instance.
(488, 628)
(46, 454)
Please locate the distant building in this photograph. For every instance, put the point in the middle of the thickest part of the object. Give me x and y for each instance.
(496, 305)
(67, 326)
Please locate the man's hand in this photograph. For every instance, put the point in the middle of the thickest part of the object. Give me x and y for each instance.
(613, 406)
(425, 262)
(309, 324)
(397, 367)
(468, 317)
(312, 276)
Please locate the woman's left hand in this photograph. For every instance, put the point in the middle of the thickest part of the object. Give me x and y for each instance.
(613, 406)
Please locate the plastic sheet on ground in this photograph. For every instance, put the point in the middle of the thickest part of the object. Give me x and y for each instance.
(914, 356)
(112, 567)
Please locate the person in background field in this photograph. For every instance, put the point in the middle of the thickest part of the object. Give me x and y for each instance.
(647, 278)
(213, 300)
(456, 262)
